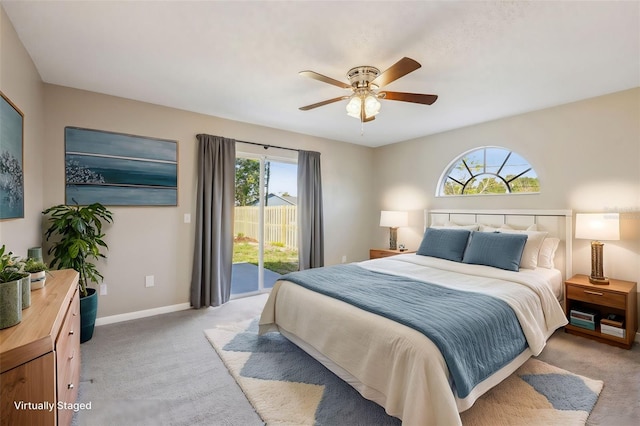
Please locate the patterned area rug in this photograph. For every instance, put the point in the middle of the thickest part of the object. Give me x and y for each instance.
(287, 386)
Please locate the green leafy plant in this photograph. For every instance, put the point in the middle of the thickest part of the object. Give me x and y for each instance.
(78, 230)
(32, 265)
(11, 268)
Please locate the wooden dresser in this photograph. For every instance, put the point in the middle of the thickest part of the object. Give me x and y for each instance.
(40, 356)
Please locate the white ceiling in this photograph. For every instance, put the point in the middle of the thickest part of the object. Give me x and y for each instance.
(240, 60)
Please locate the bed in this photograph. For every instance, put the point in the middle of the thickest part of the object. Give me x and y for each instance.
(385, 326)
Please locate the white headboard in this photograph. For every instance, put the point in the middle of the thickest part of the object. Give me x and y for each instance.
(557, 223)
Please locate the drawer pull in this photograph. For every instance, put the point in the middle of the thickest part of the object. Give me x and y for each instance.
(70, 386)
(70, 332)
(594, 293)
(73, 354)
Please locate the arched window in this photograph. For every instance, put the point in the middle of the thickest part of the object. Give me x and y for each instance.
(488, 170)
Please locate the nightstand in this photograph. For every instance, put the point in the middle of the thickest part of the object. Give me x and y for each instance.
(619, 297)
(378, 253)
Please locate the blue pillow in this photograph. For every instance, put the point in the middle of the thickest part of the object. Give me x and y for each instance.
(496, 249)
(444, 243)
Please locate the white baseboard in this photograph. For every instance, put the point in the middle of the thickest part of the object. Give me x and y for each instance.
(142, 314)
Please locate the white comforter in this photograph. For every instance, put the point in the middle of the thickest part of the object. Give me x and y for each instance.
(394, 365)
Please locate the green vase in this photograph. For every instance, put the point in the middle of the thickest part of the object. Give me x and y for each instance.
(10, 303)
(25, 288)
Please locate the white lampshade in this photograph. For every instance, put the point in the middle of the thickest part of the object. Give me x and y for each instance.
(394, 219)
(598, 226)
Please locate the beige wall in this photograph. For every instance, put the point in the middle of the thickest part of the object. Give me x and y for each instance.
(587, 155)
(21, 83)
(155, 240)
(151, 240)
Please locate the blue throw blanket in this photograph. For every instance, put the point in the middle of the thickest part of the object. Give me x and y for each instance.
(477, 334)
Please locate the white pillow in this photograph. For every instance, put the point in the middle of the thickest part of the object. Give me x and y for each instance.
(452, 225)
(531, 250)
(533, 227)
(488, 228)
(548, 252)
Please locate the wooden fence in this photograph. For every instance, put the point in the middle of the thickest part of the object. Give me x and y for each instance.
(280, 224)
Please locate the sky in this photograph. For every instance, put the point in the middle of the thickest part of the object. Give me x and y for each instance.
(283, 178)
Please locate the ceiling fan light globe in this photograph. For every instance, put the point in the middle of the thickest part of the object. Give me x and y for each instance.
(371, 106)
(353, 107)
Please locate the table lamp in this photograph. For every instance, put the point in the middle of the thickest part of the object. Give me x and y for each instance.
(596, 227)
(393, 220)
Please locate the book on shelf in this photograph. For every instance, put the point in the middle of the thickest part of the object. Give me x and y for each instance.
(589, 325)
(584, 314)
(613, 320)
(613, 331)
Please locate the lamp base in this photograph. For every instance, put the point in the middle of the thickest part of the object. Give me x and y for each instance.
(597, 270)
(599, 280)
(393, 238)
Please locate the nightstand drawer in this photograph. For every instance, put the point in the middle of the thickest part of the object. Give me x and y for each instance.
(597, 296)
(378, 253)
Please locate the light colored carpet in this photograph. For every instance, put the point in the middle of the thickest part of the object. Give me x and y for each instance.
(287, 386)
(162, 370)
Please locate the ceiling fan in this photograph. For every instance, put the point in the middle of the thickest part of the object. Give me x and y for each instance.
(365, 83)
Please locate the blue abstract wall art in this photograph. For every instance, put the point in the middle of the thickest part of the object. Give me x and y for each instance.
(11, 160)
(117, 169)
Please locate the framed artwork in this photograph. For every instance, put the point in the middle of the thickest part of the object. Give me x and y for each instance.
(11, 160)
(117, 169)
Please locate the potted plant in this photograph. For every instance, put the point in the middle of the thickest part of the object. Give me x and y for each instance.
(11, 282)
(38, 270)
(77, 231)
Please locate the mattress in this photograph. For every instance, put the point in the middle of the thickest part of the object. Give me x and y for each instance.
(553, 278)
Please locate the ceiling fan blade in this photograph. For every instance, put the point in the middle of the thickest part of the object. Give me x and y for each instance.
(416, 98)
(319, 104)
(324, 79)
(401, 68)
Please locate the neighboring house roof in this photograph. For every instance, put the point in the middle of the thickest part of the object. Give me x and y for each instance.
(278, 200)
(291, 199)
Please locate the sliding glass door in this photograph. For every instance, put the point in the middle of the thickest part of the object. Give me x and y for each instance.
(265, 223)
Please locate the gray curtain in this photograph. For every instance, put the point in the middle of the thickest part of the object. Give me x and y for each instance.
(213, 254)
(311, 250)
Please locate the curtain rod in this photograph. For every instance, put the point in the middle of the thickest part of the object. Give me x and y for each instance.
(265, 146)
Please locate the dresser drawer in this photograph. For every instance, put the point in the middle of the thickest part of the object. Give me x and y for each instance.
(597, 296)
(68, 360)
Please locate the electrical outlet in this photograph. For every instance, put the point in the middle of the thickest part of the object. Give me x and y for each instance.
(187, 218)
(148, 281)
(344, 258)
(103, 289)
